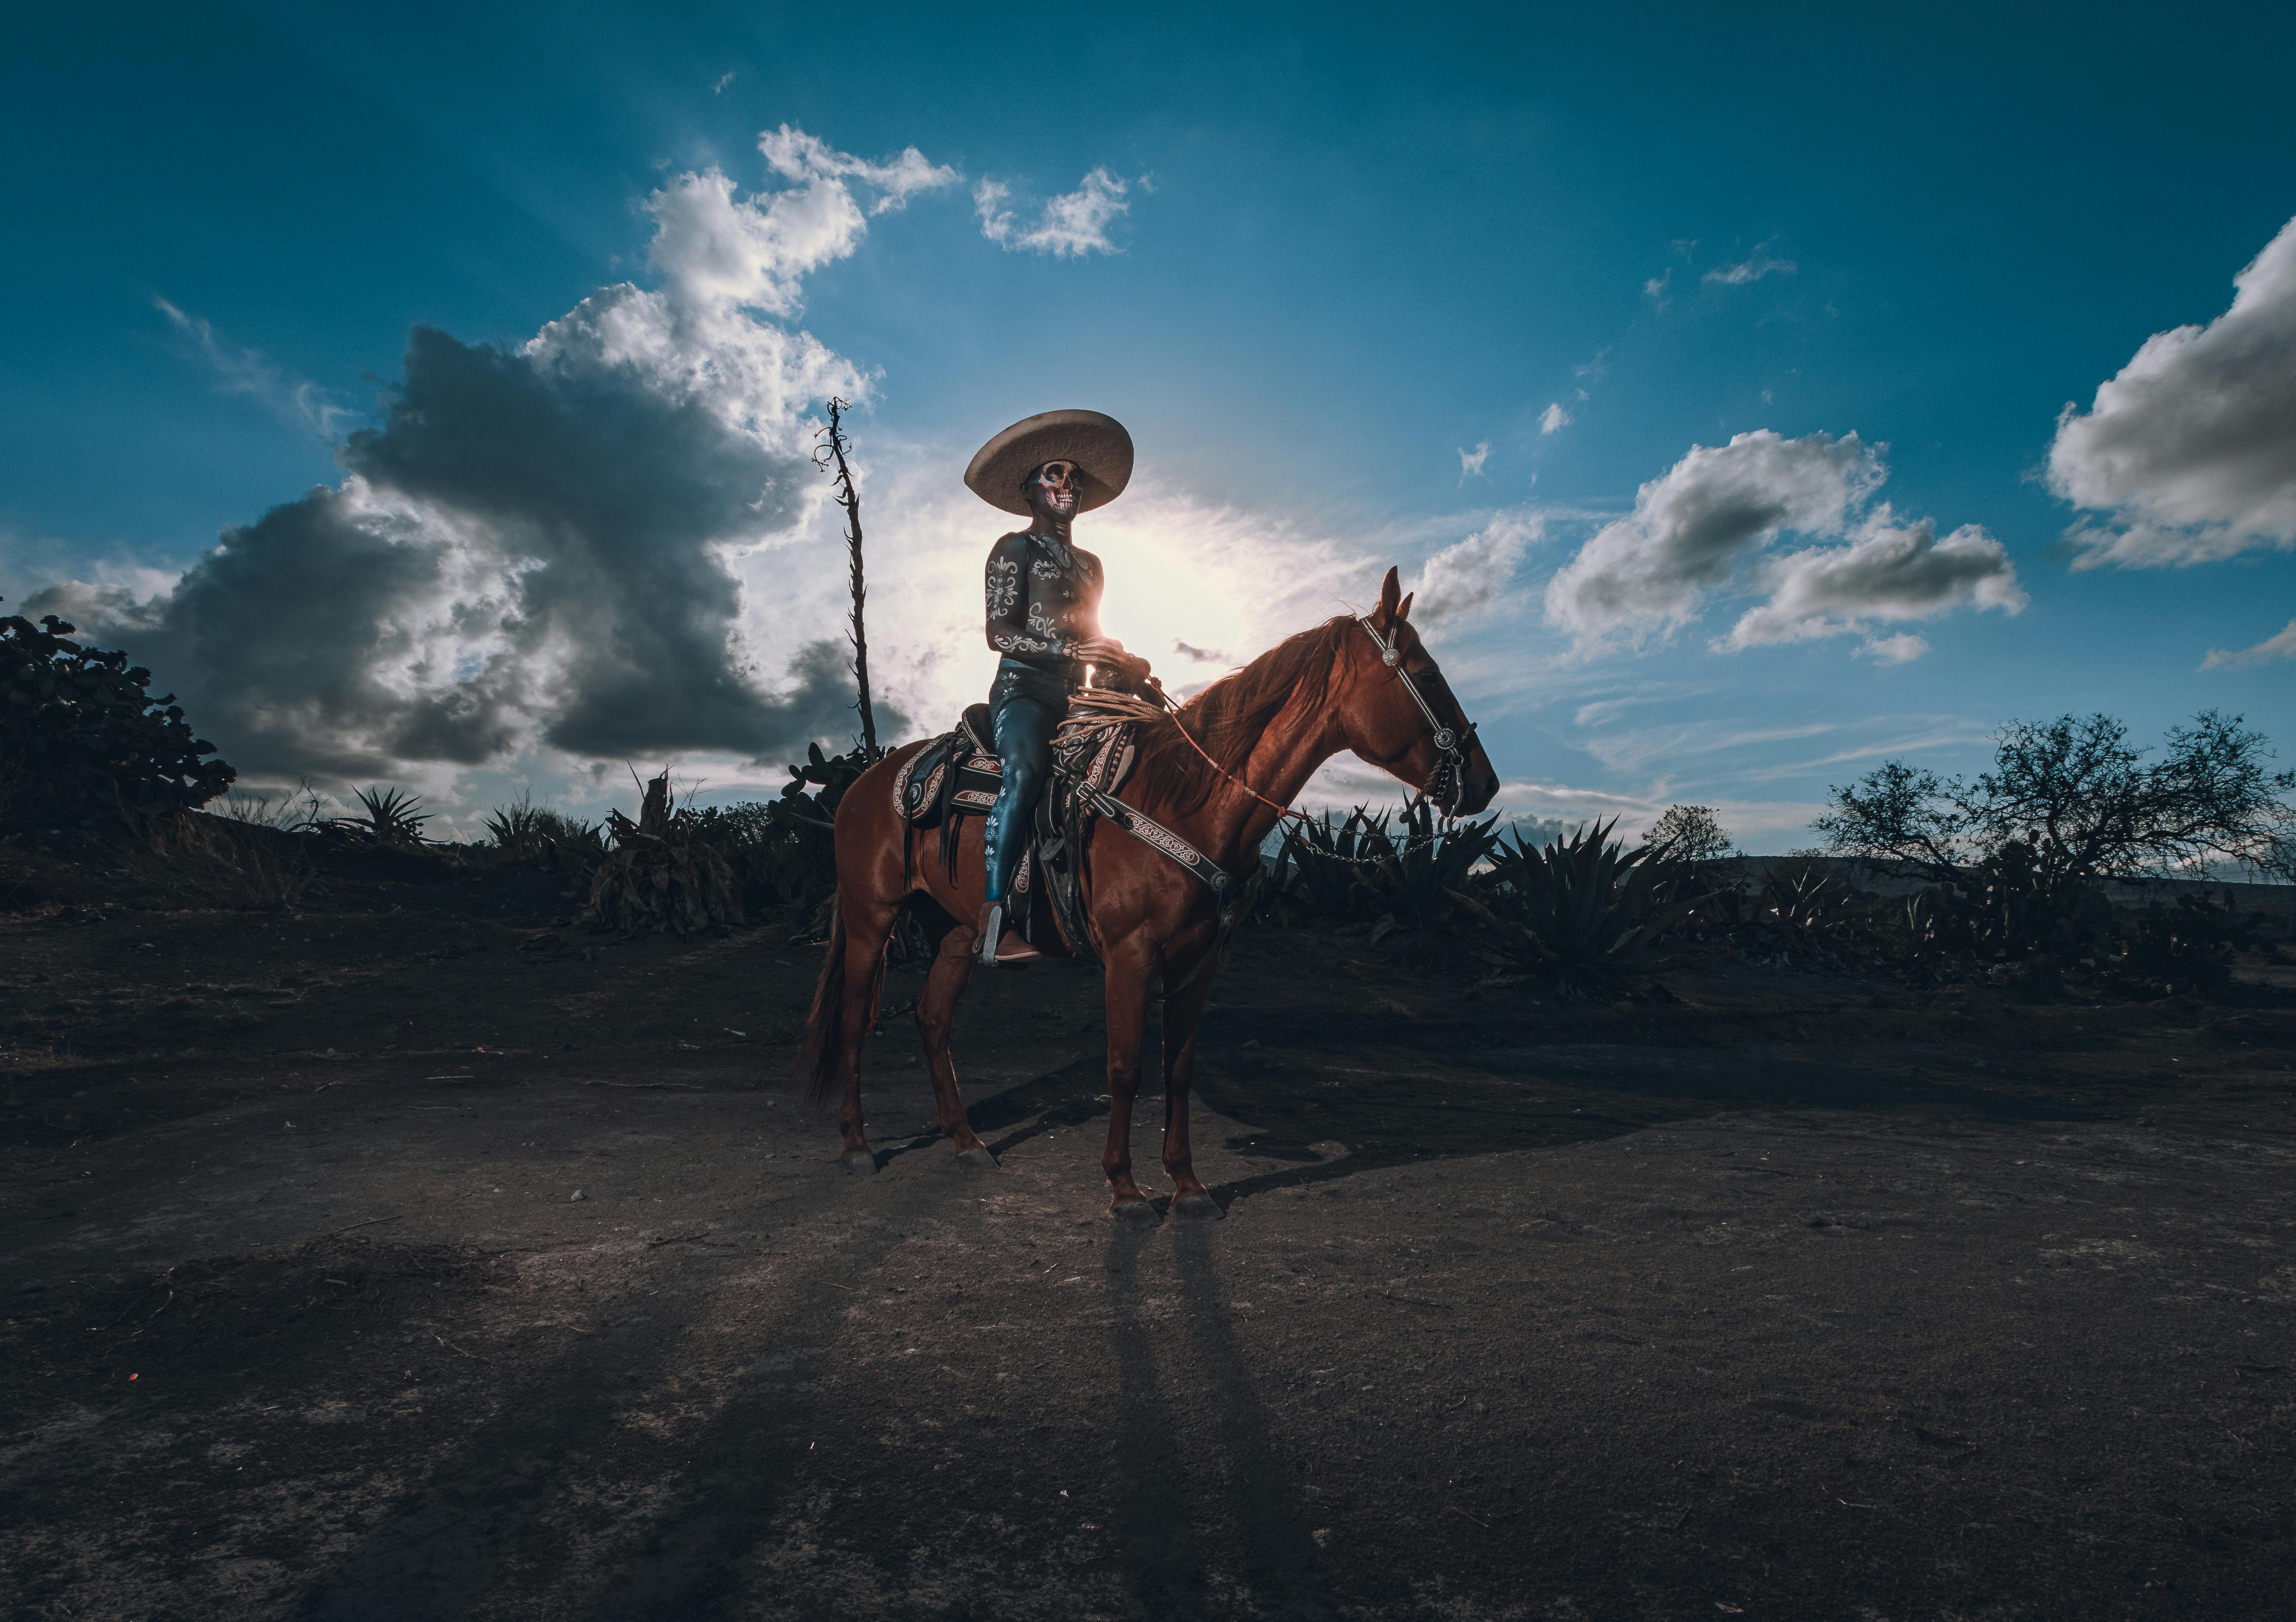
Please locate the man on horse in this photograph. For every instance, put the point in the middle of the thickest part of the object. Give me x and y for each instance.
(1043, 595)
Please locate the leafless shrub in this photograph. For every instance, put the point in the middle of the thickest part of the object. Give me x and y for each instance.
(1689, 834)
(296, 811)
(228, 863)
(664, 876)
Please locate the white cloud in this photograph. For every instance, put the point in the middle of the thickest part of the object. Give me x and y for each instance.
(808, 161)
(1554, 417)
(1571, 806)
(1692, 528)
(724, 79)
(1640, 748)
(718, 254)
(1888, 571)
(2190, 450)
(1901, 649)
(1471, 462)
(1752, 268)
(1700, 528)
(1070, 225)
(559, 552)
(2282, 645)
(240, 370)
(1673, 748)
(1654, 289)
(1474, 575)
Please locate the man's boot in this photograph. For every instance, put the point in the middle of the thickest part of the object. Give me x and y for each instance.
(997, 947)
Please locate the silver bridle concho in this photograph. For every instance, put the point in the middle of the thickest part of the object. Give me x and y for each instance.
(1450, 771)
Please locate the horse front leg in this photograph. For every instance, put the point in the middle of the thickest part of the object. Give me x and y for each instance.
(1126, 1003)
(1183, 1009)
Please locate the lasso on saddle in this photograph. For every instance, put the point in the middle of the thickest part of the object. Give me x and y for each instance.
(957, 775)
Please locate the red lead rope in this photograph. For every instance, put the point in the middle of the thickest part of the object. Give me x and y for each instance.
(1181, 727)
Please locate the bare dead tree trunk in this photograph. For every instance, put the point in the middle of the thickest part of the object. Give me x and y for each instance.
(831, 457)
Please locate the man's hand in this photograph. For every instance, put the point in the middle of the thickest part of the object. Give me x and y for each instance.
(1099, 650)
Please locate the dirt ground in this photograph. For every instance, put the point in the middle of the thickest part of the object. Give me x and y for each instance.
(438, 1263)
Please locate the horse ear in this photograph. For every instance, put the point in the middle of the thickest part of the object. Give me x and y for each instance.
(1404, 611)
(1390, 592)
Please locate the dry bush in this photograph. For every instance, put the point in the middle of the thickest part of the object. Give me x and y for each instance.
(663, 875)
(221, 862)
(297, 811)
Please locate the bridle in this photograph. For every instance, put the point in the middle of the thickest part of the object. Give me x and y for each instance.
(1443, 785)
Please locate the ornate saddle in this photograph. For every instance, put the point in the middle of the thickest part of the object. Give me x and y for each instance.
(957, 775)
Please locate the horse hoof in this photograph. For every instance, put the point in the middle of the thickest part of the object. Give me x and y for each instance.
(1198, 1207)
(861, 1163)
(978, 1158)
(1136, 1213)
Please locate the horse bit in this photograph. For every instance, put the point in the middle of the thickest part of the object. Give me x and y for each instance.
(1442, 787)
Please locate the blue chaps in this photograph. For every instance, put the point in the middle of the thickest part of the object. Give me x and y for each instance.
(1024, 708)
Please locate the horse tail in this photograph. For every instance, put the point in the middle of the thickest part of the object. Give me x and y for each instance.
(825, 1026)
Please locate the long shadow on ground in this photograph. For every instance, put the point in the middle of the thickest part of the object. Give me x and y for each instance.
(1331, 1103)
(561, 1481)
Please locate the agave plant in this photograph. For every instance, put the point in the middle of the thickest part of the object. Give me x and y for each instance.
(516, 828)
(1935, 929)
(1799, 896)
(1589, 907)
(565, 847)
(393, 817)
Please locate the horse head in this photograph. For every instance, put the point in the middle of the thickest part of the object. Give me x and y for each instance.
(1399, 714)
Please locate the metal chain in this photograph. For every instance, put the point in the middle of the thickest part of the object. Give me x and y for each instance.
(1416, 842)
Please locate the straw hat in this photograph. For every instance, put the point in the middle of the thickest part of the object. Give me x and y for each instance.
(1094, 440)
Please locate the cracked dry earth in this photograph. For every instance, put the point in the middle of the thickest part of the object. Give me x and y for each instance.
(1790, 1298)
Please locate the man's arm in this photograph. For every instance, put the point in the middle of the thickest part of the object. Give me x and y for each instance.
(1007, 590)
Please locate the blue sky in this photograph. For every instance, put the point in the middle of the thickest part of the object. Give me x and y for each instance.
(1345, 255)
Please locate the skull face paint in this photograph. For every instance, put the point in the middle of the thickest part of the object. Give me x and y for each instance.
(1052, 492)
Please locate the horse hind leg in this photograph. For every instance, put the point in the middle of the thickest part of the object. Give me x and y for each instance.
(865, 939)
(944, 982)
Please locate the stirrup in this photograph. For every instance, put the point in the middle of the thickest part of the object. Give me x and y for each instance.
(997, 947)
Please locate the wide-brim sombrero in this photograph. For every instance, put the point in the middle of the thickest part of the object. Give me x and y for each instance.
(1094, 440)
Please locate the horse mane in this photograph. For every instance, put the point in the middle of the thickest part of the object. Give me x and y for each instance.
(1228, 717)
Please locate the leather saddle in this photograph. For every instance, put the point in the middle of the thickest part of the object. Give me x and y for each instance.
(957, 775)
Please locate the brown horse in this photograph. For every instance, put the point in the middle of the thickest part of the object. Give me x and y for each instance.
(1251, 742)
